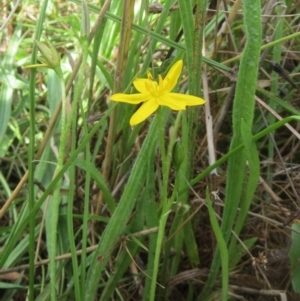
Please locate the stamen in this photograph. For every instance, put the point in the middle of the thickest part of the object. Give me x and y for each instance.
(148, 87)
(160, 84)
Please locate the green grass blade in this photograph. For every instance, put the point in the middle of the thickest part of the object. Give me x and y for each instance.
(251, 183)
(151, 221)
(70, 219)
(98, 178)
(289, 108)
(277, 49)
(240, 251)
(191, 244)
(31, 166)
(221, 246)
(94, 56)
(6, 88)
(243, 108)
(177, 239)
(187, 19)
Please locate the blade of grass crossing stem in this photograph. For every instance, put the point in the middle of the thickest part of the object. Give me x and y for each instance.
(239, 148)
(294, 256)
(117, 222)
(243, 107)
(251, 182)
(221, 246)
(279, 101)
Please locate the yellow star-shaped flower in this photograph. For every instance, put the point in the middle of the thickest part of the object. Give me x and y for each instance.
(155, 94)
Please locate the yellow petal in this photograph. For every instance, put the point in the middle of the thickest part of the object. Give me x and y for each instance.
(169, 101)
(141, 85)
(149, 75)
(189, 100)
(171, 79)
(144, 111)
(130, 98)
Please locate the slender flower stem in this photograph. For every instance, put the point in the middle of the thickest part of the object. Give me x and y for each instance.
(164, 201)
(163, 156)
(166, 204)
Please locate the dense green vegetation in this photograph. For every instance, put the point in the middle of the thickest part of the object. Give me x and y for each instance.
(152, 195)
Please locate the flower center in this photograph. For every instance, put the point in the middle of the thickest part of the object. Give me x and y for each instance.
(154, 88)
(151, 87)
